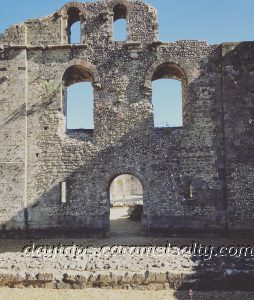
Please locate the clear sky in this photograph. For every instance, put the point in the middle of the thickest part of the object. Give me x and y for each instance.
(212, 20)
(215, 21)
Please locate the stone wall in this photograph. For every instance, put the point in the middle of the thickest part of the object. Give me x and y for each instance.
(238, 75)
(212, 152)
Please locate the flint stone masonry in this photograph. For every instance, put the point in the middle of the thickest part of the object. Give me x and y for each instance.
(212, 152)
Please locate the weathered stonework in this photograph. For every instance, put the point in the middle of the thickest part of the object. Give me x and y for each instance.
(213, 151)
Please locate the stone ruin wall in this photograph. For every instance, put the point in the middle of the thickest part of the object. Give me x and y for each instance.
(213, 151)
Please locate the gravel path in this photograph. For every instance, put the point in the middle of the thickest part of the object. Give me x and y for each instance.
(152, 268)
(12, 257)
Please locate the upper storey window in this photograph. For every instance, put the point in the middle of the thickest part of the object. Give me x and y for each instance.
(78, 98)
(74, 26)
(169, 96)
(79, 113)
(120, 23)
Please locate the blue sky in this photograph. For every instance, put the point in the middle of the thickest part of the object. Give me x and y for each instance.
(211, 20)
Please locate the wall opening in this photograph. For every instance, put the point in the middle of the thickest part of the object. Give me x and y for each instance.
(63, 192)
(80, 106)
(78, 98)
(167, 103)
(74, 26)
(120, 23)
(169, 96)
(188, 191)
(126, 205)
(75, 33)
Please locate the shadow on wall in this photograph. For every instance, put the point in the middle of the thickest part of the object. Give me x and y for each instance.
(133, 153)
(130, 152)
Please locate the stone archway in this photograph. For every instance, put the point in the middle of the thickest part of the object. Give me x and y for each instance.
(126, 205)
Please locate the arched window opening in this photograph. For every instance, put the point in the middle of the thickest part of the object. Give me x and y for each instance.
(120, 23)
(74, 26)
(78, 98)
(168, 96)
(80, 106)
(120, 33)
(75, 33)
(167, 103)
(126, 204)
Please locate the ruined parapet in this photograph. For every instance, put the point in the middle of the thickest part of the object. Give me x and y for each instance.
(96, 24)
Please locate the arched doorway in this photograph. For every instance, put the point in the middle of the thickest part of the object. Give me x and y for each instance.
(126, 205)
